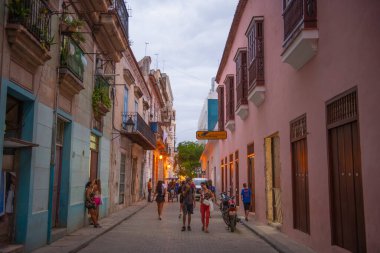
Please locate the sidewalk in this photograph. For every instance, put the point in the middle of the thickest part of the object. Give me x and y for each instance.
(79, 239)
(278, 240)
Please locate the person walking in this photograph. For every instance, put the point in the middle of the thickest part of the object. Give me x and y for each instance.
(246, 198)
(160, 198)
(188, 205)
(206, 200)
(90, 203)
(149, 186)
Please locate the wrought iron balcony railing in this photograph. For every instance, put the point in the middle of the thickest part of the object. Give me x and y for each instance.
(35, 16)
(299, 14)
(72, 57)
(123, 15)
(141, 132)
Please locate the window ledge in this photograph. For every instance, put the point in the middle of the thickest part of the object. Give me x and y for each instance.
(301, 49)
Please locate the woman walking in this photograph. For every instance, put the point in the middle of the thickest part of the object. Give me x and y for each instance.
(98, 196)
(160, 197)
(206, 200)
(90, 203)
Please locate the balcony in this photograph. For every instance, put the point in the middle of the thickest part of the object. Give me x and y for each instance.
(101, 102)
(141, 132)
(300, 32)
(96, 5)
(241, 83)
(112, 30)
(71, 68)
(29, 32)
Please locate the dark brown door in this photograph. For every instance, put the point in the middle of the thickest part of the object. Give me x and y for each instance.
(231, 172)
(94, 153)
(56, 186)
(348, 230)
(251, 180)
(298, 138)
(237, 178)
(300, 186)
(93, 165)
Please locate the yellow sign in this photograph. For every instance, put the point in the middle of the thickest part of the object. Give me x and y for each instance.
(211, 135)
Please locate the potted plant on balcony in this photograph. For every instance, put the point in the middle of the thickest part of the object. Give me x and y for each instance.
(17, 11)
(72, 26)
(101, 102)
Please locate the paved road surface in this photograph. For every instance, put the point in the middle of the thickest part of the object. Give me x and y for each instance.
(145, 233)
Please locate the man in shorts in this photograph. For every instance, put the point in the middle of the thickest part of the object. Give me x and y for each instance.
(188, 194)
(246, 198)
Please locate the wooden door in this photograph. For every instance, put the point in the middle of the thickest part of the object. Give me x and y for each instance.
(346, 188)
(231, 172)
(298, 135)
(93, 165)
(94, 153)
(56, 186)
(237, 193)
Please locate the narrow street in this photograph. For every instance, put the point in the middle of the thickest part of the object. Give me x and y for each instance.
(145, 233)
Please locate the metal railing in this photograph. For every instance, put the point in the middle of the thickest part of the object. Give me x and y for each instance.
(35, 16)
(71, 57)
(122, 12)
(140, 126)
(299, 13)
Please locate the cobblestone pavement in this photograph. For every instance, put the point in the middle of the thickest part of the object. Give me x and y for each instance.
(145, 233)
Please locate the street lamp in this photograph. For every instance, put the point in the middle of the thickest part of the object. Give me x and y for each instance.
(129, 125)
(160, 157)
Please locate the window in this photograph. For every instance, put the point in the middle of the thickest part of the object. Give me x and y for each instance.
(221, 108)
(230, 103)
(255, 36)
(241, 77)
(298, 14)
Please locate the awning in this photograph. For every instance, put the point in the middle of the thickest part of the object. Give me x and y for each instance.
(10, 142)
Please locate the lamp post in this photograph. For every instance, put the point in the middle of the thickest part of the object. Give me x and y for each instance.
(129, 125)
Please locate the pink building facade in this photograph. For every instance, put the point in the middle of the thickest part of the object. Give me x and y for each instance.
(297, 97)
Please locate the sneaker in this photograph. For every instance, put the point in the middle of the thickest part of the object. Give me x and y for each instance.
(183, 228)
(188, 228)
(97, 226)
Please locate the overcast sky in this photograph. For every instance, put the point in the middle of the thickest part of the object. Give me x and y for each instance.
(189, 38)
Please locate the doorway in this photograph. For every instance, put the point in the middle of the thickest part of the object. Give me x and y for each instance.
(237, 193)
(346, 190)
(231, 172)
(273, 179)
(94, 156)
(300, 174)
(251, 174)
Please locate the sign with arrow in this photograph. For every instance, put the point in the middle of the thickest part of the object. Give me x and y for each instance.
(211, 135)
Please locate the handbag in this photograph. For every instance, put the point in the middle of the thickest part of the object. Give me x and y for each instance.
(211, 206)
(206, 202)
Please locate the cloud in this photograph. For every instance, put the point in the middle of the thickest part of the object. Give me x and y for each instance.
(189, 38)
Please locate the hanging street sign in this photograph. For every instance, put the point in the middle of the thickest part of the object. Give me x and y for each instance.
(211, 135)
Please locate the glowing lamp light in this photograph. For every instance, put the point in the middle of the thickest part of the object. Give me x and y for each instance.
(160, 157)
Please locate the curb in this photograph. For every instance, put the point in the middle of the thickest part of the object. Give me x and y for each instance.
(262, 236)
(86, 243)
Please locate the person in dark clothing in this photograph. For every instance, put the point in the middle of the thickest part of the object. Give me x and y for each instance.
(160, 198)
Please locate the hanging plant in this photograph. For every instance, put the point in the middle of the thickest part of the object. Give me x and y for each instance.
(72, 26)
